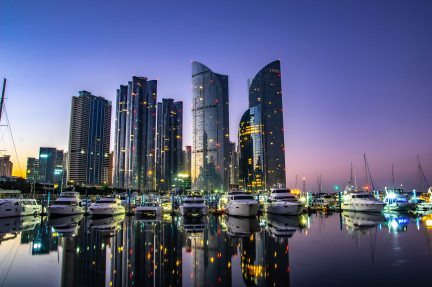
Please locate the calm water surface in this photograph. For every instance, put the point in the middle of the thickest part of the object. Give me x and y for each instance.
(349, 249)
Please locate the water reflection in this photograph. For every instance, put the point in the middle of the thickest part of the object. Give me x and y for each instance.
(209, 250)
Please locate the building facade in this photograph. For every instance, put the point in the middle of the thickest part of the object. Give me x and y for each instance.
(265, 91)
(32, 174)
(5, 166)
(210, 135)
(234, 166)
(251, 169)
(187, 160)
(169, 138)
(50, 165)
(89, 140)
(135, 132)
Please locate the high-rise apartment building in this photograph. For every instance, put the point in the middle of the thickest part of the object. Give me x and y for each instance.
(169, 141)
(5, 166)
(135, 131)
(265, 92)
(89, 140)
(210, 134)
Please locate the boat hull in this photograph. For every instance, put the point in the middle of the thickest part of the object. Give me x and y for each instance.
(242, 209)
(405, 206)
(107, 211)
(152, 211)
(18, 210)
(363, 207)
(282, 208)
(64, 210)
(193, 209)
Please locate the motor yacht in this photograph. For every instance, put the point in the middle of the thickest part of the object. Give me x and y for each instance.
(396, 200)
(357, 199)
(282, 201)
(106, 207)
(426, 205)
(149, 208)
(195, 224)
(325, 199)
(68, 203)
(241, 203)
(66, 226)
(360, 222)
(193, 203)
(10, 207)
(240, 227)
(283, 226)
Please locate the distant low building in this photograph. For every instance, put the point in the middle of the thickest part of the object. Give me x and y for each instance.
(5, 166)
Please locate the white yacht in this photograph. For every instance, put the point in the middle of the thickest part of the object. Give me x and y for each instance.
(396, 200)
(282, 201)
(240, 227)
(149, 208)
(325, 199)
(194, 203)
(357, 199)
(427, 205)
(68, 203)
(106, 207)
(10, 207)
(283, 226)
(241, 203)
(66, 226)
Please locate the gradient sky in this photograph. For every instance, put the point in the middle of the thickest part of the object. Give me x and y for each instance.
(356, 75)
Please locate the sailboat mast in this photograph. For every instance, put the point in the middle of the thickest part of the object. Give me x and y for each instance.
(393, 177)
(366, 172)
(2, 98)
(421, 173)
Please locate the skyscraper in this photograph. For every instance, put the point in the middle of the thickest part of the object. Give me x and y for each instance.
(32, 169)
(89, 139)
(135, 131)
(210, 149)
(265, 90)
(50, 165)
(251, 150)
(169, 142)
(187, 160)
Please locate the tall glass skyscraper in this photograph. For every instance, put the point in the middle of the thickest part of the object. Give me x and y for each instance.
(135, 130)
(265, 92)
(211, 146)
(89, 139)
(169, 141)
(251, 150)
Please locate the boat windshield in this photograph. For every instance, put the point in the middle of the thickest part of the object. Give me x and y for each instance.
(368, 196)
(243, 197)
(193, 201)
(68, 194)
(64, 203)
(106, 200)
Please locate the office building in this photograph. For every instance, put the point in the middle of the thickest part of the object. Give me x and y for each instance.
(210, 134)
(89, 140)
(32, 174)
(5, 166)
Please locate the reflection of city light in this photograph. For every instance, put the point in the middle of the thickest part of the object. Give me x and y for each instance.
(394, 224)
(429, 222)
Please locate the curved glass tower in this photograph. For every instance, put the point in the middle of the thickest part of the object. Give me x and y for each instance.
(210, 149)
(265, 90)
(251, 151)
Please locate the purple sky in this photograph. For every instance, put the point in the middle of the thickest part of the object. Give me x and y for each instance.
(356, 75)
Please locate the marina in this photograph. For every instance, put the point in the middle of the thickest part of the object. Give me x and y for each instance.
(266, 250)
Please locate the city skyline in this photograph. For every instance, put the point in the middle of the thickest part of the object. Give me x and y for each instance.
(358, 83)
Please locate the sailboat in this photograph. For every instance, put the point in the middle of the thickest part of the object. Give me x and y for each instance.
(18, 206)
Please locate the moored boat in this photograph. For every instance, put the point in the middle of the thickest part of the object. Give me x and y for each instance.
(241, 203)
(106, 207)
(68, 203)
(282, 201)
(10, 207)
(357, 199)
(193, 203)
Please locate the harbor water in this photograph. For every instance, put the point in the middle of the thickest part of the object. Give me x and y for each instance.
(341, 249)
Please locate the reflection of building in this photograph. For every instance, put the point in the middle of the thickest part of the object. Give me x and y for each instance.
(168, 142)
(5, 166)
(89, 139)
(265, 260)
(251, 169)
(44, 241)
(135, 131)
(265, 113)
(210, 149)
